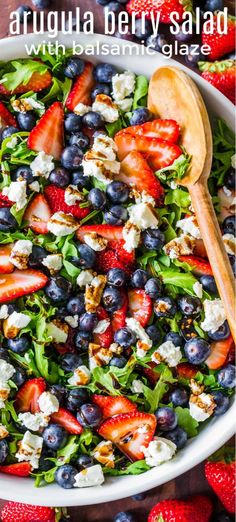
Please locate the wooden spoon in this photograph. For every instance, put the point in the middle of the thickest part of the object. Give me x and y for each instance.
(172, 94)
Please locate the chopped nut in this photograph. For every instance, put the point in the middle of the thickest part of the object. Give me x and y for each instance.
(104, 454)
(205, 406)
(3, 432)
(196, 387)
(180, 246)
(21, 105)
(98, 356)
(93, 293)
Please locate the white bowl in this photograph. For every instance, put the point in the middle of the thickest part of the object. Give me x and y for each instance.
(218, 430)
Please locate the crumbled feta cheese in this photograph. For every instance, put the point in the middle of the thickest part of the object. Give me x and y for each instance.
(93, 293)
(125, 105)
(101, 169)
(131, 235)
(20, 253)
(230, 244)
(48, 403)
(57, 331)
(42, 165)
(137, 386)
(142, 197)
(189, 226)
(34, 186)
(196, 388)
(84, 278)
(92, 476)
(29, 449)
(11, 144)
(123, 85)
(197, 288)
(16, 192)
(3, 432)
(18, 320)
(72, 195)
(159, 450)
(201, 407)
(34, 421)
(215, 315)
(105, 147)
(143, 216)
(53, 262)
(104, 454)
(61, 224)
(102, 326)
(180, 246)
(80, 377)
(4, 312)
(173, 185)
(4, 390)
(142, 349)
(233, 161)
(104, 105)
(95, 241)
(169, 353)
(98, 356)
(136, 327)
(81, 109)
(72, 320)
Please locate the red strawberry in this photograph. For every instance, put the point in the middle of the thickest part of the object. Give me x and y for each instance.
(136, 172)
(81, 88)
(111, 406)
(151, 374)
(195, 509)
(48, 134)
(220, 473)
(6, 118)
(123, 430)
(107, 259)
(140, 306)
(37, 214)
(28, 395)
(219, 353)
(163, 129)
(14, 511)
(20, 282)
(56, 200)
(104, 339)
(199, 266)
(37, 83)
(107, 231)
(186, 370)
(4, 201)
(65, 419)
(219, 44)
(119, 316)
(6, 267)
(159, 153)
(20, 469)
(164, 7)
(69, 345)
(221, 75)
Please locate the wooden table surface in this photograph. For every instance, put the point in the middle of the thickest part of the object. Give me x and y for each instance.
(190, 483)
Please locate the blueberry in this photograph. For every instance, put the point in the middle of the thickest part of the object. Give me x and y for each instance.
(89, 415)
(178, 436)
(116, 215)
(125, 337)
(4, 450)
(139, 496)
(88, 321)
(72, 157)
(165, 307)
(179, 397)
(140, 116)
(92, 120)
(166, 419)
(118, 192)
(116, 277)
(124, 516)
(153, 239)
(7, 220)
(24, 172)
(72, 122)
(153, 287)
(102, 2)
(142, 29)
(119, 362)
(193, 57)
(80, 140)
(82, 340)
(127, 36)
(226, 376)
(58, 289)
(175, 338)
(54, 436)
(37, 255)
(104, 72)
(59, 177)
(112, 299)
(213, 5)
(222, 333)
(41, 4)
(139, 278)
(112, 7)
(100, 88)
(153, 333)
(197, 350)
(78, 178)
(190, 306)
(156, 42)
(182, 36)
(60, 392)
(84, 462)
(74, 67)
(19, 344)
(25, 13)
(208, 283)
(187, 328)
(65, 476)
(19, 376)
(7, 132)
(26, 120)
(87, 257)
(230, 179)
(232, 260)
(4, 354)
(44, 462)
(76, 305)
(76, 398)
(222, 402)
(70, 361)
(97, 198)
(229, 225)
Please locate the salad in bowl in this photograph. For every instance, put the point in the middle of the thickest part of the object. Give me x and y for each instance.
(115, 348)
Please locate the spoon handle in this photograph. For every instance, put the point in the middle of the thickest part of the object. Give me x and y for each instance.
(218, 258)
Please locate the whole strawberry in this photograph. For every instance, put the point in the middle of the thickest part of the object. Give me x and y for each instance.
(15, 511)
(195, 509)
(222, 75)
(164, 7)
(220, 473)
(220, 44)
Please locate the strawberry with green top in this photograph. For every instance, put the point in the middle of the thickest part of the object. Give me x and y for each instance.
(220, 473)
(165, 8)
(221, 75)
(220, 43)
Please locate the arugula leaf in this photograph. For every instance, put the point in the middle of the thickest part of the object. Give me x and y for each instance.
(179, 197)
(223, 150)
(141, 92)
(186, 422)
(132, 469)
(65, 454)
(22, 72)
(154, 396)
(102, 380)
(113, 128)
(185, 281)
(5, 175)
(177, 170)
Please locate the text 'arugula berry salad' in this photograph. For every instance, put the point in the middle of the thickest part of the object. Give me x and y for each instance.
(114, 342)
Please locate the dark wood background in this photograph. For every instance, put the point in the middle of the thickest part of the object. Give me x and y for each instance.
(190, 483)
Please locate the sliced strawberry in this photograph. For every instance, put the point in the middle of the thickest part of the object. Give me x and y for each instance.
(20, 282)
(37, 214)
(136, 173)
(107, 231)
(151, 374)
(6, 118)
(111, 406)
(119, 316)
(37, 83)
(186, 370)
(199, 266)
(107, 259)
(124, 431)
(4, 201)
(219, 353)
(140, 306)
(48, 134)
(159, 153)
(56, 199)
(104, 339)
(20, 469)
(27, 396)
(81, 88)
(65, 419)
(6, 267)
(163, 129)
